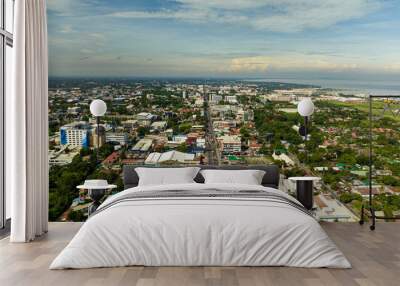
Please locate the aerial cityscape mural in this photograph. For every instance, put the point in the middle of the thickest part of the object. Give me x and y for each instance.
(191, 82)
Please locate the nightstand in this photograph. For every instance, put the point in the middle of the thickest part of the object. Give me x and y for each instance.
(304, 190)
(96, 190)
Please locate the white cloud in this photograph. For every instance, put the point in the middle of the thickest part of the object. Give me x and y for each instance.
(249, 64)
(192, 15)
(270, 15)
(59, 5)
(87, 51)
(290, 62)
(393, 67)
(97, 36)
(70, 7)
(302, 15)
(226, 4)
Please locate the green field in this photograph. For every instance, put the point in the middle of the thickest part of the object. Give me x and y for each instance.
(377, 108)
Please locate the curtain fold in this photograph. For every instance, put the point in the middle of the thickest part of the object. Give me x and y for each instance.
(27, 122)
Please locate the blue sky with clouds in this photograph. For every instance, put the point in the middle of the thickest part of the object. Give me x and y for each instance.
(225, 38)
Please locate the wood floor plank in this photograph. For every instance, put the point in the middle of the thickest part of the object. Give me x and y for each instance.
(375, 257)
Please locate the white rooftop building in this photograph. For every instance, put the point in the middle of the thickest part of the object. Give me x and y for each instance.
(143, 145)
(61, 157)
(215, 98)
(199, 102)
(159, 125)
(230, 144)
(121, 138)
(76, 134)
(145, 119)
(179, 138)
(231, 99)
(157, 158)
(144, 116)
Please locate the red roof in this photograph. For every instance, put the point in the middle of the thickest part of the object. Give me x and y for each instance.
(255, 144)
(112, 158)
(132, 161)
(365, 191)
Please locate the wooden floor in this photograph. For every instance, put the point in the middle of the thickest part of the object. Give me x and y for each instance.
(375, 257)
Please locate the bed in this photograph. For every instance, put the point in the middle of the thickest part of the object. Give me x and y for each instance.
(201, 224)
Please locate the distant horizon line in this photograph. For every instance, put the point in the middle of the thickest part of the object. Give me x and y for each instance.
(197, 78)
(179, 78)
(346, 85)
(243, 78)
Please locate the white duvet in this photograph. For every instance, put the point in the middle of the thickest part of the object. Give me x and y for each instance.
(200, 231)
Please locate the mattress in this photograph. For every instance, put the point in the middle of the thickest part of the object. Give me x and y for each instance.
(201, 225)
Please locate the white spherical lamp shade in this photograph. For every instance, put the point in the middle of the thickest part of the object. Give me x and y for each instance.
(98, 107)
(305, 107)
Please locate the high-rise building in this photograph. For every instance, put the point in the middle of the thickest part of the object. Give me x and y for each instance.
(75, 134)
(102, 137)
(215, 98)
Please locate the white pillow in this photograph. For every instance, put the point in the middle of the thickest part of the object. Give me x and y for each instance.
(166, 176)
(248, 177)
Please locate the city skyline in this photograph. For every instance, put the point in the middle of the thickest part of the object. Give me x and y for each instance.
(189, 123)
(217, 38)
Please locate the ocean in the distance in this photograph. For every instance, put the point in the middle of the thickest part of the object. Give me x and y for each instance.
(375, 87)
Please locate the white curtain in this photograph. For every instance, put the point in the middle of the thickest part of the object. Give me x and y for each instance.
(27, 124)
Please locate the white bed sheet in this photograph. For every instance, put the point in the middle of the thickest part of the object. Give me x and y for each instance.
(200, 232)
